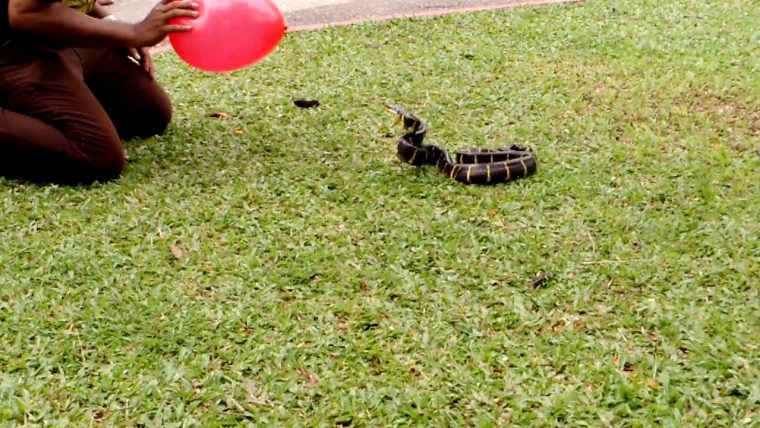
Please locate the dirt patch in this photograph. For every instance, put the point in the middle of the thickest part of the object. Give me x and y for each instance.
(735, 122)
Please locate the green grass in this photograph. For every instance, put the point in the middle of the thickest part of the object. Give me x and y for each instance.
(282, 268)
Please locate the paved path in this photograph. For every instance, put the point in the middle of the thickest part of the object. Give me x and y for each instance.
(304, 14)
(134, 10)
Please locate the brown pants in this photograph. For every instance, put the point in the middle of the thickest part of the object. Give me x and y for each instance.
(64, 112)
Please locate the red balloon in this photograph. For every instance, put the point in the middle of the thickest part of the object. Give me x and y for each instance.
(229, 34)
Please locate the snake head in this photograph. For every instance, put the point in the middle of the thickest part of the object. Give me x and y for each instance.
(410, 122)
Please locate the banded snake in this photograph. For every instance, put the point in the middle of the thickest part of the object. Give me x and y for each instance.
(473, 166)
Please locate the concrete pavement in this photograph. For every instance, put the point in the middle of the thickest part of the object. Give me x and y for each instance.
(355, 11)
(306, 14)
(134, 10)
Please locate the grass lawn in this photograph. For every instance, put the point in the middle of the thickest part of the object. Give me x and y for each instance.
(280, 267)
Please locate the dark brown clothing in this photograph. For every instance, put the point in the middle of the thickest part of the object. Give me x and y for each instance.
(63, 113)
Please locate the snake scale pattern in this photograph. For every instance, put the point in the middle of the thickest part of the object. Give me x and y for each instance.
(473, 166)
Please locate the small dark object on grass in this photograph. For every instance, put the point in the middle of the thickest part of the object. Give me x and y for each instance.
(306, 103)
(541, 279)
(218, 114)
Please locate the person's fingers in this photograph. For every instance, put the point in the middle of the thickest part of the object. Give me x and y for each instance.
(147, 62)
(176, 28)
(180, 13)
(180, 4)
(133, 55)
(105, 2)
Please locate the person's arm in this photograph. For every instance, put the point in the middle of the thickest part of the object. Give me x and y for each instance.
(58, 22)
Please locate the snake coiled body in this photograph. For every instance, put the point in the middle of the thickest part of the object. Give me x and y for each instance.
(474, 166)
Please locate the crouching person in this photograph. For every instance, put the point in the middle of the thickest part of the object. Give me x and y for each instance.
(75, 83)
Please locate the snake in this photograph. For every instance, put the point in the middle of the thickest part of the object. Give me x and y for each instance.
(471, 166)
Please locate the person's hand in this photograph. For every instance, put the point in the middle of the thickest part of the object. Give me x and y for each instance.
(105, 2)
(155, 27)
(142, 57)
